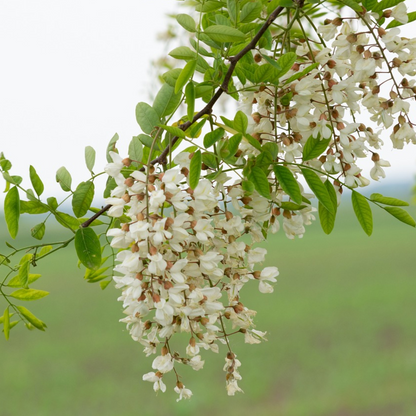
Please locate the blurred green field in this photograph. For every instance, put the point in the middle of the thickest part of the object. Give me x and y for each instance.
(341, 327)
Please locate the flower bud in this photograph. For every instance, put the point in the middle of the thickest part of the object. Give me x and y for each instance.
(331, 64)
(164, 351)
(167, 285)
(256, 117)
(381, 31)
(257, 58)
(126, 161)
(256, 274)
(139, 276)
(352, 38)
(397, 62)
(129, 182)
(337, 21)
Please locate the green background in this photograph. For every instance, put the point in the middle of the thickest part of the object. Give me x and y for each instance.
(341, 328)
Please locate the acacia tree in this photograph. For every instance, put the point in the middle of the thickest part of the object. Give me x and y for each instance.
(197, 190)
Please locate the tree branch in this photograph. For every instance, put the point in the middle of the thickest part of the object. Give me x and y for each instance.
(162, 158)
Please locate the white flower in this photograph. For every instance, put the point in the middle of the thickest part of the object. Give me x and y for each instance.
(399, 13)
(268, 274)
(183, 392)
(163, 363)
(113, 169)
(157, 380)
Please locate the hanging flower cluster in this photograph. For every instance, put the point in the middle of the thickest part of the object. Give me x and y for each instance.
(189, 227)
(185, 263)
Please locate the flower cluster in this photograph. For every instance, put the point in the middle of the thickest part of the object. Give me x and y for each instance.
(183, 263)
(361, 86)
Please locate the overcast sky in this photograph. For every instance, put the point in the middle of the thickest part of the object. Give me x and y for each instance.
(72, 73)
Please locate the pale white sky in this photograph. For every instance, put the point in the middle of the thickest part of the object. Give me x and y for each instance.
(72, 74)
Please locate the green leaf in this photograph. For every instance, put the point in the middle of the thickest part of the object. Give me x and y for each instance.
(387, 200)
(52, 202)
(111, 147)
(210, 160)
(395, 23)
(272, 149)
(232, 10)
(212, 137)
(314, 147)
(301, 74)
(286, 62)
(147, 117)
(135, 149)
(353, 5)
(38, 231)
(6, 323)
(272, 62)
(104, 284)
(174, 131)
(63, 177)
(369, 4)
(362, 211)
(36, 181)
(16, 281)
(67, 220)
(186, 73)
(88, 248)
(183, 52)
(247, 186)
(33, 207)
(260, 181)
(170, 77)
(190, 100)
(187, 22)
(250, 12)
(12, 211)
(147, 141)
(90, 158)
(326, 218)
(288, 183)
(37, 323)
(233, 143)
(240, 122)
(14, 180)
(28, 294)
(45, 250)
(253, 141)
(319, 189)
(195, 169)
(386, 4)
(266, 73)
(82, 198)
(222, 33)
(401, 215)
(166, 100)
(291, 206)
